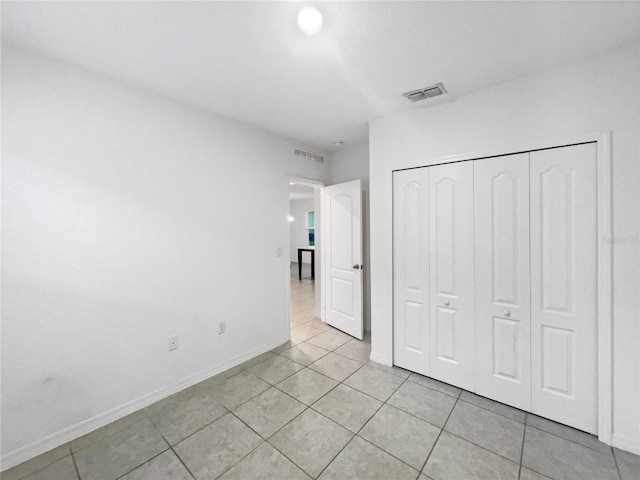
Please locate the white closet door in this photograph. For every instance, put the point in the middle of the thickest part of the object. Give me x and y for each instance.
(411, 270)
(503, 330)
(564, 285)
(451, 273)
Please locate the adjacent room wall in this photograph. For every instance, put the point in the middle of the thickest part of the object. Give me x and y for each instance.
(129, 218)
(298, 231)
(596, 95)
(348, 164)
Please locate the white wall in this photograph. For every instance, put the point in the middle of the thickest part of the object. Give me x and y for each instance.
(597, 95)
(352, 164)
(298, 232)
(128, 218)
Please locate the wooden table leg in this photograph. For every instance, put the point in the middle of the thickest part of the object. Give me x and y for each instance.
(313, 264)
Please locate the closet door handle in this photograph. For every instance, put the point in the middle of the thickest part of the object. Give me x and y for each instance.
(507, 313)
(356, 267)
(446, 303)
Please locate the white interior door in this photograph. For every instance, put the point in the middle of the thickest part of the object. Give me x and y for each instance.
(564, 285)
(451, 273)
(411, 270)
(502, 313)
(343, 257)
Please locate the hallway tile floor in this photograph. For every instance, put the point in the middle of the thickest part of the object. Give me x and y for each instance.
(316, 407)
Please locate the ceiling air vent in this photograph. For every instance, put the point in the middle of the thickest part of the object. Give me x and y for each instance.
(427, 92)
(308, 156)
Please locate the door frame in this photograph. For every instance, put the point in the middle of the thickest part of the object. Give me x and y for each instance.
(604, 252)
(319, 185)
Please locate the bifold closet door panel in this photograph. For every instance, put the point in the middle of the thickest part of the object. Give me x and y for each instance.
(451, 273)
(502, 313)
(411, 270)
(564, 285)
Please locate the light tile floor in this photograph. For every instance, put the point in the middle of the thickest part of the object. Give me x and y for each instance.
(315, 407)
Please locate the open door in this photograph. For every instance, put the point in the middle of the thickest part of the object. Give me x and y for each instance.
(343, 257)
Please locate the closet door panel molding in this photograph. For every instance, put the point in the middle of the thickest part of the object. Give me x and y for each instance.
(451, 273)
(502, 313)
(411, 270)
(564, 287)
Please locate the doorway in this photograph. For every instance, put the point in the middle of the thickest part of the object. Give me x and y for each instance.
(305, 255)
(325, 231)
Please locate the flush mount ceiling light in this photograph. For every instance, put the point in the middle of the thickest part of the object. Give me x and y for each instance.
(339, 143)
(309, 20)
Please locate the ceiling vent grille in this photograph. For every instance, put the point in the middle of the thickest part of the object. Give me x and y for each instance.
(424, 93)
(308, 156)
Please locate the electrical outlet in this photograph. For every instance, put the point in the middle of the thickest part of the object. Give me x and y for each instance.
(222, 327)
(173, 343)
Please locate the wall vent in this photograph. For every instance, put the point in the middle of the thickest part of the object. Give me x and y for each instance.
(308, 156)
(424, 93)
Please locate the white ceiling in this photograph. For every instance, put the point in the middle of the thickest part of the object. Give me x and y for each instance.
(247, 60)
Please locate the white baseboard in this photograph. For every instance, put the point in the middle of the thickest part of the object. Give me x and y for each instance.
(625, 443)
(376, 357)
(68, 434)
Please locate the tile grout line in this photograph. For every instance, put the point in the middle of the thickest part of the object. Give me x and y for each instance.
(306, 406)
(287, 457)
(22, 477)
(422, 419)
(357, 434)
(182, 461)
(350, 431)
(525, 423)
(566, 439)
(353, 435)
(462, 390)
(492, 411)
(75, 465)
(199, 429)
(262, 442)
(371, 418)
(311, 370)
(439, 435)
(524, 434)
(388, 453)
(480, 446)
(615, 460)
(170, 448)
(284, 454)
(146, 461)
(309, 407)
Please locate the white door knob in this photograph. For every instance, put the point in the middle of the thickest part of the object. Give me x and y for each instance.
(446, 303)
(507, 313)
